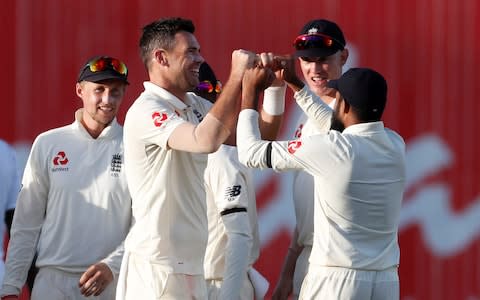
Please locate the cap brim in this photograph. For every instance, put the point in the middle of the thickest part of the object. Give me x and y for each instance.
(103, 75)
(316, 52)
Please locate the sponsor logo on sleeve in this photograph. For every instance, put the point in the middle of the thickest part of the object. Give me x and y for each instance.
(293, 146)
(159, 118)
(298, 132)
(232, 192)
(198, 115)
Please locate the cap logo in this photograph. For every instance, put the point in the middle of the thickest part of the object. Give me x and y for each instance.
(312, 30)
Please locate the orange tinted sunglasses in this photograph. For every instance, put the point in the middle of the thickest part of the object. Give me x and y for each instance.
(104, 62)
(207, 87)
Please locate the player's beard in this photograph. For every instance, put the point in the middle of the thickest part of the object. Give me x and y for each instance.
(336, 123)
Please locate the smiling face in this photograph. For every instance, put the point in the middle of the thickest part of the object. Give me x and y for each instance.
(101, 101)
(184, 62)
(317, 70)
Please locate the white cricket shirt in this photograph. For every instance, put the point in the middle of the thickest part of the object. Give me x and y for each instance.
(302, 188)
(229, 186)
(74, 200)
(167, 186)
(359, 177)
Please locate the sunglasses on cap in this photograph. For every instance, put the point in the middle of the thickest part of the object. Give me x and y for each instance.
(316, 40)
(102, 63)
(207, 87)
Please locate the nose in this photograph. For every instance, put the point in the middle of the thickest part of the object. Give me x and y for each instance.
(108, 97)
(200, 59)
(318, 66)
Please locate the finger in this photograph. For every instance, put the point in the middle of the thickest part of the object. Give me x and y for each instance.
(90, 272)
(95, 288)
(257, 60)
(99, 291)
(265, 59)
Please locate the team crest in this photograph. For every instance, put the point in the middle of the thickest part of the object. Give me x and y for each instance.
(313, 30)
(116, 165)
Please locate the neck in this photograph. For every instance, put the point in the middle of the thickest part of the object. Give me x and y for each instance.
(172, 89)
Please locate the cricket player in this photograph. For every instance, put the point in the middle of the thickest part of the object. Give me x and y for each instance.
(321, 51)
(233, 242)
(74, 208)
(359, 167)
(169, 131)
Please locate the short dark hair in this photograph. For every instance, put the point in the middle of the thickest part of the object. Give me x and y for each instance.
(161, 34)
(365, 115)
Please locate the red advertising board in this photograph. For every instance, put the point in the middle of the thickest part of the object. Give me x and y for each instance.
(427, 50)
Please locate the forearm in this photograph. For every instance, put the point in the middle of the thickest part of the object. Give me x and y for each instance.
(315, 109)
(226, 108)
(293, 253)
(114, 259)
(206, 137)
(251, 151)
(20, 254)
(271, 115)
(26, 226)
(284, 286)
(236, 254)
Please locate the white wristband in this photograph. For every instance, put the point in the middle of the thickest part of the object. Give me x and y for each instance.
(274, 100)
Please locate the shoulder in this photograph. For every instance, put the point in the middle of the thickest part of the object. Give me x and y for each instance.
(199, 102)
(225, 160)
(55, 133)
(396, 138)
(148, 107)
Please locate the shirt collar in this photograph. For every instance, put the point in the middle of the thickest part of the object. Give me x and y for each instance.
(108, 132)
(364, 127)
(166, 95)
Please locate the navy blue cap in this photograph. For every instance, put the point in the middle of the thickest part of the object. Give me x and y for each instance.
(362, 88)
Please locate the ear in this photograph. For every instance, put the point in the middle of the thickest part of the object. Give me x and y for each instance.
(161, 57)
(344, 56)
(79, 89)
(346, 106)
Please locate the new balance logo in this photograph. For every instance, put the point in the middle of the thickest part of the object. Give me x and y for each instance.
(232, 192)
(198, 115)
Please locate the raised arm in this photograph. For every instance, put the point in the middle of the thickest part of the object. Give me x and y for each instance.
(271, 114)
(314, 107)
(220, 123)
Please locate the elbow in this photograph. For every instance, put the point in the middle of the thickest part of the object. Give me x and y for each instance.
(211, 148)
(243, 156)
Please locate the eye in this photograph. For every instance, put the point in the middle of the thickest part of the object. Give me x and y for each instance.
(117, 92)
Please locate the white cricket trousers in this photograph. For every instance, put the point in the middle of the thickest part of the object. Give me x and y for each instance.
(246, 291)
(301, 268)
(337, 283)
(147, 281)
(53, 284)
